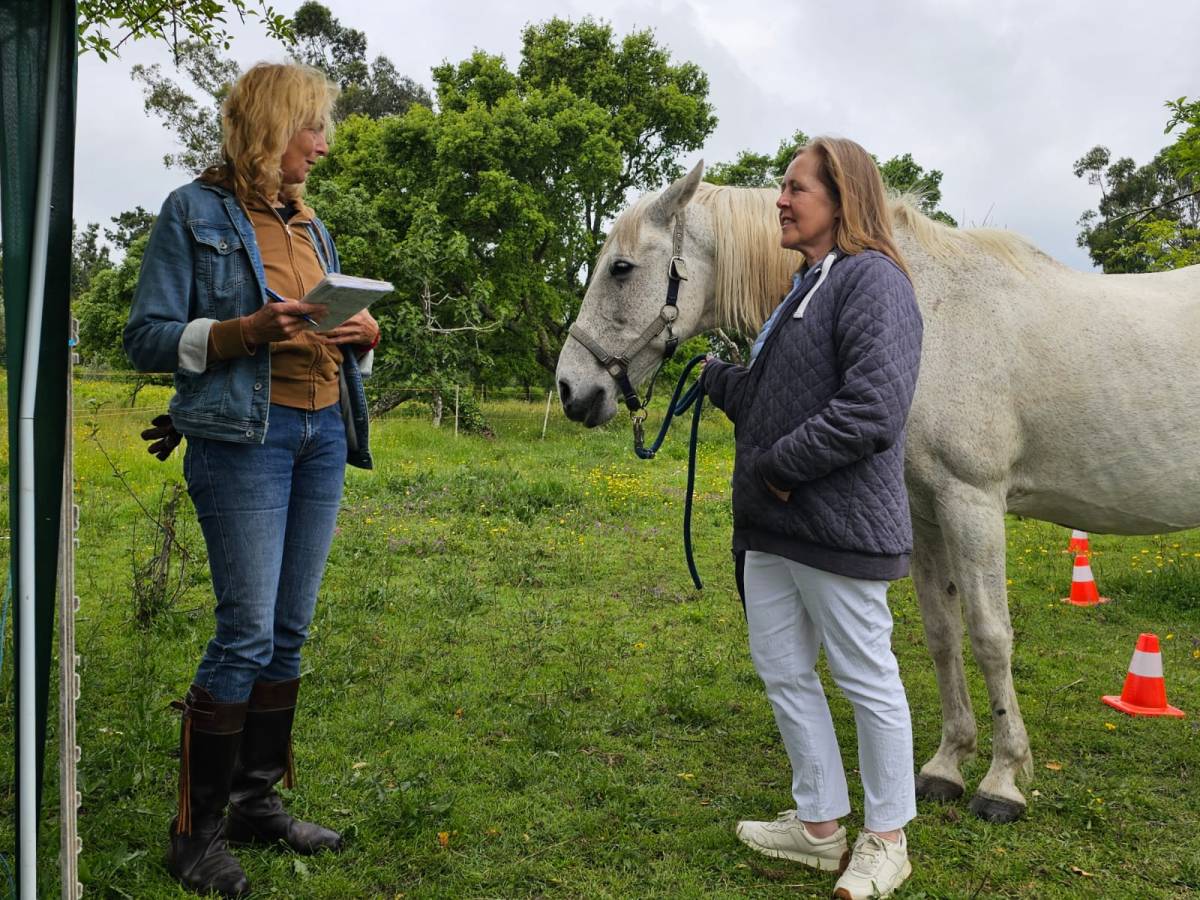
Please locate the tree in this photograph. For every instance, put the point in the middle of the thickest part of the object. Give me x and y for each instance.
(900, 173)
(130, 225)
(100, 21)
(656, 111)
(101, 291)
(88, 258)
(488, 212)
(752, 169)
(374, 90)
(193, 113)
(102, 309)
(1148, 217)
(905, 176)
(196, 124)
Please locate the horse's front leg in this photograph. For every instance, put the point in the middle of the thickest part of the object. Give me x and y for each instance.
(941, 778)
(973, 524)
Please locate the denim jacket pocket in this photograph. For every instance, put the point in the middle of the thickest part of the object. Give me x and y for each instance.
(218, 256)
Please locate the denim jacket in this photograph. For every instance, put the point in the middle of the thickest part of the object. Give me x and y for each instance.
(202, 265)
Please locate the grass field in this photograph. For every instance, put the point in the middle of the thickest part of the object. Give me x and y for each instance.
(512, 690)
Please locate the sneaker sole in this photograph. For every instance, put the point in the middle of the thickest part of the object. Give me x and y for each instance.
(843, 894)
(808, 859)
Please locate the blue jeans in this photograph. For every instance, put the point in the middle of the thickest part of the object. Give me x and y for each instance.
(267, 512)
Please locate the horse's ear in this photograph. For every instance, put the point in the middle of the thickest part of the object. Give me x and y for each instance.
(677, 195)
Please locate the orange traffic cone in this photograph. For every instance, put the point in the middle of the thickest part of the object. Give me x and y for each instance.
(1078, 542)
(1145, 691)
(1083, 585)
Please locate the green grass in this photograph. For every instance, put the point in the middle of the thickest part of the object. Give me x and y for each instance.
(512, 690)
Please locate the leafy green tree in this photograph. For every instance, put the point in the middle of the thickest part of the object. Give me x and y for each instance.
(752, 169)
(193, 113)
(656, 109)
(900, 173)
(196, 124)
(101, 291)
(373, 90)
(129, 226)
(102, 309)
(496, 202)
(905, 176)
(89, 258)
(1148, 217)
(1185, 152)
(100, 22)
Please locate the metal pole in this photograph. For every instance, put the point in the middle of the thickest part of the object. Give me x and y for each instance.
(68, 661)
(27, 696)
(546, 420)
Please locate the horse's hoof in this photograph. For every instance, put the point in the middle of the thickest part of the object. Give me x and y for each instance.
(996, 810)
(940, 790)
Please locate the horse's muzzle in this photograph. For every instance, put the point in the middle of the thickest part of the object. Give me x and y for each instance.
(589, 405)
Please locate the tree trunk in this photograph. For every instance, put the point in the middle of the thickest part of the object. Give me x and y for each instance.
(437, 409)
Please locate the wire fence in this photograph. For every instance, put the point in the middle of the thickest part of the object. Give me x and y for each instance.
(526, 412)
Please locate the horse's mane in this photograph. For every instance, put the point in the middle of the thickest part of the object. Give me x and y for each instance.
(751, 269)
(753, 272)
(951, 244)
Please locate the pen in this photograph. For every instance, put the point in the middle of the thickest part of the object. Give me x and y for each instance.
(275, 298)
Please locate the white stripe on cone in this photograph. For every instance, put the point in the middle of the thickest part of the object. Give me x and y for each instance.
(1077, 534)
(1147, 665)
(1082, 573)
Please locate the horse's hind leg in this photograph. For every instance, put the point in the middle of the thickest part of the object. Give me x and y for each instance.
(973, 524)
(940, 778)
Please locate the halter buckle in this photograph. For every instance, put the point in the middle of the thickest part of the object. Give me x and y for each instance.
(669, 313)
(678, 268)
(616, 366)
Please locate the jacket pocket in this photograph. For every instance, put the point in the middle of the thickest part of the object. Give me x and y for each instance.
(754, 506)
(219, 260)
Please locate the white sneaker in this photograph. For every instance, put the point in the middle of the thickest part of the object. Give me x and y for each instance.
(877, 867)
(787, 838)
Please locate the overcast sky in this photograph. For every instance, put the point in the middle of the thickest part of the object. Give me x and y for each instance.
(1001, 95)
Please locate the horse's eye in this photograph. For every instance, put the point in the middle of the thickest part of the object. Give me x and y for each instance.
(620, 268)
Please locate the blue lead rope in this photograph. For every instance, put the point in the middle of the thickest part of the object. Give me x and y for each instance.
(680, 403)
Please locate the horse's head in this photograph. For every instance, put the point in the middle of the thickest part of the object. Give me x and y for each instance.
(627, 294)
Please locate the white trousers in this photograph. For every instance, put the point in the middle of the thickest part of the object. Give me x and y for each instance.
(793, 610)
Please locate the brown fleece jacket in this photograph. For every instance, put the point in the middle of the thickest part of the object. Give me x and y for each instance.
(304, 369)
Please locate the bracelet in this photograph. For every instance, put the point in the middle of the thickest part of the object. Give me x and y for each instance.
(375, 343)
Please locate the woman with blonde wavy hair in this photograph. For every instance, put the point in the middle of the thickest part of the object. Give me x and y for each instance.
(216, 304)
(821, 512)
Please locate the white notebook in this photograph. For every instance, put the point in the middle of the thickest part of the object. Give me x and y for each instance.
(345, 295)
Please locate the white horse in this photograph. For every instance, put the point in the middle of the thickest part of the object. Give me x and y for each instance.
(1059, 395)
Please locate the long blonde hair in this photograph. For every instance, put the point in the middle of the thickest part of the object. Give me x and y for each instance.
(266, 106)
(854, 183)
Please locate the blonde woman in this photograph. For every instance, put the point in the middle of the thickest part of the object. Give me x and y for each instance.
(821, 512)
(272, 413)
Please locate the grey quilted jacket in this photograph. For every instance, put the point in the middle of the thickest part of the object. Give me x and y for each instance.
(821, 413)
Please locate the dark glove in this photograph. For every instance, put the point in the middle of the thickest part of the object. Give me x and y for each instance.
(164, 436)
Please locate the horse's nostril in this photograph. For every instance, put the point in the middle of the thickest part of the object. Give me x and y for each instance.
(564, 391)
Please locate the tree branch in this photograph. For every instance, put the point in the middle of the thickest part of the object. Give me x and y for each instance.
(1142, 213)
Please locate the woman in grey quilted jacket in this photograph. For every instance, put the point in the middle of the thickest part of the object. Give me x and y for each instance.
(821, 512)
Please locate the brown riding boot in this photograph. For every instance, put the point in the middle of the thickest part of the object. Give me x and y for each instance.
(209, 737)
(256, 813)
